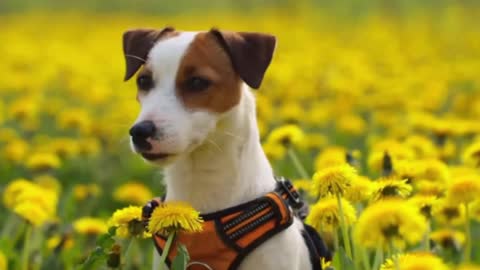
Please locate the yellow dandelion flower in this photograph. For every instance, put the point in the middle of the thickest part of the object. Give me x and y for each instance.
(435, 171)
(303, 185)
(43, 161)
(90, 226)
(427, 187)
(415, 261)
(89, 146)
(332, 156)
(471, 155)
(351, 124)
(286, 135)
(84, 191)
(74, 119)
(424, 204)
(60, 242)
(390, 188)
(3, 261)
(174, 216)
(423, 146)
(33, 213)
(360, 190)
(48, 182)
(13, 189)
(390, 221)
(132, 192)
(324, 216)
(446, 212)
(464, 189)
(314, 141)
(274, 151)
(333, 180)
(128, 221)
(448, 238)
(16, 150)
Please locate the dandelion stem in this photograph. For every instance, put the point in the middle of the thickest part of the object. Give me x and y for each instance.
(426, 240)
(128, 253)
(365, 260)
(296, 162)
(378, 258)
(343, 228)
(393, 254)
(468, 236)
(166, 250)
(26, 247)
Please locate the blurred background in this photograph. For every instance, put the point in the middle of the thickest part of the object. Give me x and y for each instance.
(357, 77)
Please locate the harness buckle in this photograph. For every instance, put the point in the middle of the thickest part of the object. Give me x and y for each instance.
(293, 197)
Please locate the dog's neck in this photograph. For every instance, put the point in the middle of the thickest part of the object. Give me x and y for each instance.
(228, 169)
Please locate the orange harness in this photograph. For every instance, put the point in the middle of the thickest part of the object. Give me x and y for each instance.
(229, 235)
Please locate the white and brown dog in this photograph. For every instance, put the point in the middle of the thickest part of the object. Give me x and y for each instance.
(198, 121)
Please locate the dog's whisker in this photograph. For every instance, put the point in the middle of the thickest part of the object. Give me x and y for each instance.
(136, 57)
(215, 144)
(229, 134)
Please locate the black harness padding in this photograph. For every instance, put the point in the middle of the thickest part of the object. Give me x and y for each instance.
(316, 247)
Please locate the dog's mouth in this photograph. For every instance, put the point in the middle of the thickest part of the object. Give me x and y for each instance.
(155, 156)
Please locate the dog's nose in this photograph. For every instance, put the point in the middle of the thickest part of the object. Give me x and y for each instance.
(140, 132)
(145, 129)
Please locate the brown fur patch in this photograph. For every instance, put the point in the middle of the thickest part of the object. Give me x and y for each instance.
(207, 59)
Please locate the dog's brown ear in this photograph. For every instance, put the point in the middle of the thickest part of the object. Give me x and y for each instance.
(136, 45)
(250, 53)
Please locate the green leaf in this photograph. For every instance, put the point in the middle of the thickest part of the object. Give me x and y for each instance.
(181, 260)
(105, 240)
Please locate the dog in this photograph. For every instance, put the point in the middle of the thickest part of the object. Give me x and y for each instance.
(198, 122)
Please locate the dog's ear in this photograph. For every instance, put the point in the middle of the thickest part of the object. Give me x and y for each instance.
(136, 45)
(250, 53)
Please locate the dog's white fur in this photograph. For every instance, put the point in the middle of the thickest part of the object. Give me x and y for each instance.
(217, 160)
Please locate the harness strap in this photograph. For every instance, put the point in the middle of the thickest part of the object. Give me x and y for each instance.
(242, 228)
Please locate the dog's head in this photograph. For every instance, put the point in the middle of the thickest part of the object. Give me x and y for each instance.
(186, 81)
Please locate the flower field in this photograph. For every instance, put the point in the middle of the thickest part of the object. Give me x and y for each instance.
(377, 122)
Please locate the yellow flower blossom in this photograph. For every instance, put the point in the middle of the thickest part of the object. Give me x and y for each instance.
(90, 226)
(447, 212)
(43, 161)
(331, 156)
(333, 180)
(390, 221)
(286, 135)
(16, 150)
(61, 242)
(464, 189)
(471, 155)
(415, 261)
(424, 204)
(448, 238)
(360, 190)
(324, 216)
(31, 212)
(390, 188)
(128, 221)
(84, 191)
(132, 192)
(174, 216)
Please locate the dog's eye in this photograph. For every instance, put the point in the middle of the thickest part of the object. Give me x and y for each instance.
(197, 84)
(145, 82)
